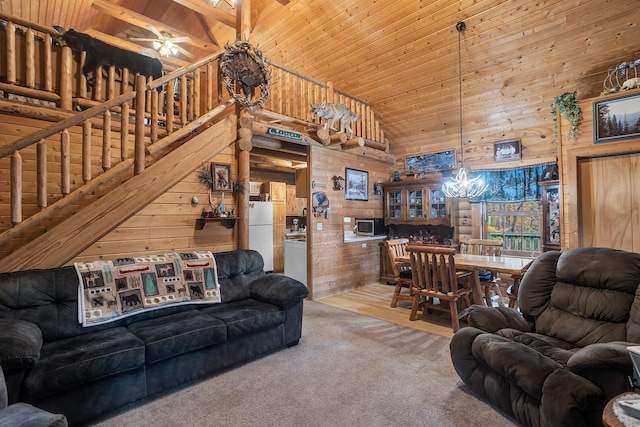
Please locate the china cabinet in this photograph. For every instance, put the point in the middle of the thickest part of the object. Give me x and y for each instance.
(550, 215)
(416, 201)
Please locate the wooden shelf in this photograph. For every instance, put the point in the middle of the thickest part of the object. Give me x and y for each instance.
(227, 222)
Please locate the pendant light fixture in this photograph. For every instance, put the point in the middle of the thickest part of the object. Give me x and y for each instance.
(461, 185)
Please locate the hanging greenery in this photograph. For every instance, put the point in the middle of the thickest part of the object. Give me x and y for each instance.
(205, 176)
(567, 105)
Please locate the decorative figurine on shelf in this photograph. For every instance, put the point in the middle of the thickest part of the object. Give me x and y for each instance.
(221, 207)
(396, 176)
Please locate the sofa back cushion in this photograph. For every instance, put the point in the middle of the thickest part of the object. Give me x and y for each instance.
(49, 298)
(583, 296)
(236, 270)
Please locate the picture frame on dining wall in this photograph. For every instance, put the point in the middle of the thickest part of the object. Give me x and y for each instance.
(616, 119)
(356, 184)
(432, 162)
(507, 150)
(221, 176)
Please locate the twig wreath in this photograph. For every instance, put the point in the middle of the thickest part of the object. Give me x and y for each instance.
(245, 65)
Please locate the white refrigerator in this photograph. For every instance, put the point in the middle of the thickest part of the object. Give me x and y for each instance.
(261, 231)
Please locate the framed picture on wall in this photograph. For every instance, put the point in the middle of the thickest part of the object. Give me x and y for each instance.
(221, 176)
(356, 185)
(434, 162)
(616, 119)
(509, 150)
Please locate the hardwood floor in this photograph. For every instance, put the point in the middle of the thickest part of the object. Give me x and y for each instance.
(373, 300)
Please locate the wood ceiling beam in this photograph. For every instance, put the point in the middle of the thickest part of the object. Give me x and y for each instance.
(207, 10)
(134, 47)
(284, 2)
(298, 157)
(142, 21)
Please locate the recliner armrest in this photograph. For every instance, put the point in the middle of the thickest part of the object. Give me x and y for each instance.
(278, 289)
(607, 365)
(20, 344)
(492, 319)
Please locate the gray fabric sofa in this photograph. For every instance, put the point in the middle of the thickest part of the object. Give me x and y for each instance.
(52, 362)
(559, 361)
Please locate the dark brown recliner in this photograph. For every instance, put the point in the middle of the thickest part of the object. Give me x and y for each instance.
(559, 361)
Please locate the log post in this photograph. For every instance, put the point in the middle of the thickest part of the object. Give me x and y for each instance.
(48, 64)
(16, 188)
(170, 105)
(154, 116)
(66, 79)
(106, 141)
(324, 136)
(65, 162)
(11, 52)
(183, 100)
(195, 100)
(358, 141)
(30, 59)
(124, 131)
(86, 151)
(41, 157)
(139, 152)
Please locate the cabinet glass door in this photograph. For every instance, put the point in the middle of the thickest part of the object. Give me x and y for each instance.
(438, 204)
(414, 204)
(394, 204)
(552, 216)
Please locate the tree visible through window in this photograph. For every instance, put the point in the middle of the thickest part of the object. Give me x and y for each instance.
(517, 224)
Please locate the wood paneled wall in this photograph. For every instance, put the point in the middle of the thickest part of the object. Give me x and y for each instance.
(168, 224)
(335, 266)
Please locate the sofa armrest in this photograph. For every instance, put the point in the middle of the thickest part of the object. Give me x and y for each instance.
(492, 319)
(278, 289)
(607, 365)
(20, 344)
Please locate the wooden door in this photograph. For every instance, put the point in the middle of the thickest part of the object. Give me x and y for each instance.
(610, 202)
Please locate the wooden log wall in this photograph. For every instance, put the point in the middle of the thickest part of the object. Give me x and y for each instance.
(604, 211)
(335, 266)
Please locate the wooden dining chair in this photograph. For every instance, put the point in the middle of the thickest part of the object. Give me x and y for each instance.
(401, 272)
(436, 283)
(489, 280)
(512, 291)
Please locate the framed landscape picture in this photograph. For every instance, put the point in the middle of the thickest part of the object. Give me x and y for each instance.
(616, 119)
(356, 184)
(433, 162)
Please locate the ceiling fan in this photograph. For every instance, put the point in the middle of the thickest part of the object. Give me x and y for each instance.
(165, 44)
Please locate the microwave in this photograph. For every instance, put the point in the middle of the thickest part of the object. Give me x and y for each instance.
(370, 227)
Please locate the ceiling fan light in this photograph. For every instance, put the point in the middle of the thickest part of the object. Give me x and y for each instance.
(156, 45)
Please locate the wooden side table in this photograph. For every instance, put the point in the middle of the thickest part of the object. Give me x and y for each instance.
(609, 418)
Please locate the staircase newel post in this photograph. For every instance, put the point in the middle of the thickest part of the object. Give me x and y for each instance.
(139, 132)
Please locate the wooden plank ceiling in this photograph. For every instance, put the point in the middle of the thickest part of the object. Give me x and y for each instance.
(401, 56)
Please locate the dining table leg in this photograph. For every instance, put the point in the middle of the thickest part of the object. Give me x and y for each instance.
(476, 295)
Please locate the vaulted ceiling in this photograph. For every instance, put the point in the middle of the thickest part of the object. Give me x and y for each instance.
(401, 56)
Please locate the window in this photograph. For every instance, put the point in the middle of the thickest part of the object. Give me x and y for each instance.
(517, 224)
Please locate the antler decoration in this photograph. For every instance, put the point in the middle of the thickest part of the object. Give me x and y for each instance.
(243, 64)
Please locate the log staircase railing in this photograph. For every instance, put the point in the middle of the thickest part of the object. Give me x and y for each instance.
(100, 132)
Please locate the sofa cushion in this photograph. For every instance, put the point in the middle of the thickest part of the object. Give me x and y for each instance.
(178, 333)
(71, 362)
(246, 316)
(21, 343)
(236, 270)
(557, 350)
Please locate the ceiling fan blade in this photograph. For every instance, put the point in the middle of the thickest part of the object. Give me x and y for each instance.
(138, 39)
(185, 39)
(154, 31)
(184, 51)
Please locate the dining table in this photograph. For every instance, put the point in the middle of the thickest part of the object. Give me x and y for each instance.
(515, 266)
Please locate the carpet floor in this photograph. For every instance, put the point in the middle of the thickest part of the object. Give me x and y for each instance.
(348, 370)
